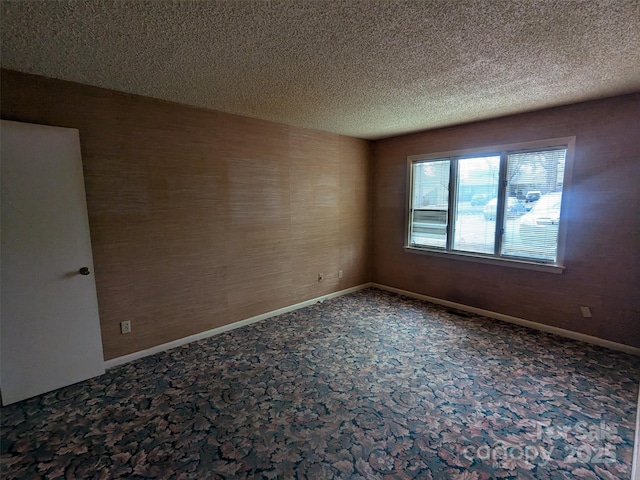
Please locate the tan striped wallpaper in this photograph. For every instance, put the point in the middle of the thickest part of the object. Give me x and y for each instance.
(200, 218)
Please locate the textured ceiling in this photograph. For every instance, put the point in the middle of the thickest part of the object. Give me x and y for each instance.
(368, 68)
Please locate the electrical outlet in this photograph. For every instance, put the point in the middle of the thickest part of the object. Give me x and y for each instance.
(125, 327)
(320, 277)
(586, 312)
(340, 274)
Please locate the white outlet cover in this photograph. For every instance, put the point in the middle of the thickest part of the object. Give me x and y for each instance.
(586, 312)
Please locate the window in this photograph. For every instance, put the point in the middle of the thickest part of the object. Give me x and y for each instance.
(500, 204)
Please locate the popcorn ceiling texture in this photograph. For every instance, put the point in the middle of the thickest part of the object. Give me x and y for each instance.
(368, 69)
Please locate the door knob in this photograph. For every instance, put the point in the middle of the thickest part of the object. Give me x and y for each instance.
(84, 271)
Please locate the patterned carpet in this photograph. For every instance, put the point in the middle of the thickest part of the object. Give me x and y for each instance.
(367, 386)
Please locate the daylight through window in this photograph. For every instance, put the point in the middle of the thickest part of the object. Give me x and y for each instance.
(502, 203)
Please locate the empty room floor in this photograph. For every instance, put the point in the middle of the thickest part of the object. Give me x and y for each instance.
(370, 385)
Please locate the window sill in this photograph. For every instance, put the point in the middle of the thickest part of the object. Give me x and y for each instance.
(504, 262)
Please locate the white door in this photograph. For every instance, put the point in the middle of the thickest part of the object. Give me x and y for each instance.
(49, 324)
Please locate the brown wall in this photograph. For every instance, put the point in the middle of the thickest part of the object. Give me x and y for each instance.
(199, 218)
(603, 241)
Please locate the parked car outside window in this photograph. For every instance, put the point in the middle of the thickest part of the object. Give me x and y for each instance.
(543, 219)
(514, 208)
(533, 195)
(479, 199)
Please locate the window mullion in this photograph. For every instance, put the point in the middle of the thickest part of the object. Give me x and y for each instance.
(453, 187)
(502, 199)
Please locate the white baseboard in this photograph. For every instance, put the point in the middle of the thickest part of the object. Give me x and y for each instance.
(114, 362)
(518, 321)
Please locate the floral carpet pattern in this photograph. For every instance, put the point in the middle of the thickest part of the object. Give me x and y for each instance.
(371, 385)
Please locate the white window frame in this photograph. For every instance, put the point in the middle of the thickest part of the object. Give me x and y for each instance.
(495, 150)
